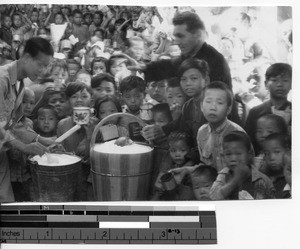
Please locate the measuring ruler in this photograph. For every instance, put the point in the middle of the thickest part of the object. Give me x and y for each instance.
(100, 224)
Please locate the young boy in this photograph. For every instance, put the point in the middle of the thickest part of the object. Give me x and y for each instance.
(161, 114)
(275, 149)
(179, 147)
(175, 97)
(278, 82)
(136, 48)
(5, 30)
(103, 84)
(47, 120)
(239, 180)
(156, 92)
(73, 68)
(216, 104)
(203, 178)
(79, 31)
(133, 89)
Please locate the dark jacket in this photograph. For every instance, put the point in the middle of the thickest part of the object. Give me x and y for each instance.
(164, 69)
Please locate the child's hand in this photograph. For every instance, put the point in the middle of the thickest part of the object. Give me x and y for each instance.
(241, 173)
(180, 173)
(152, 132)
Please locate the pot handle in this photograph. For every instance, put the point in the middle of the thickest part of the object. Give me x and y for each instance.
(115, 115)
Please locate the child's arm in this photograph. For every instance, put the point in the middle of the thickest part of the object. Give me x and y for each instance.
(48, 18)
(222, 188)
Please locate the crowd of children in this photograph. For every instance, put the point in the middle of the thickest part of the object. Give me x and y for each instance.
(209, 156)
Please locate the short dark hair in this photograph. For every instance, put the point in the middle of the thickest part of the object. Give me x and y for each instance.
(99, 29)
(99, 59)
(221, 86)
(278, 69)
(283, 139)
(107, 98)
(173, 82)
(98, 12)
(179, 136)
(59, 13)
(97, 80)
(76, 11)
(190, 19)
(280, 122)
(163, 108)
(47, 107)
(76, 86)
(205, 170)
(132, 82)
(36, 45)
(73, 61)
(189, 63)
(238, 136)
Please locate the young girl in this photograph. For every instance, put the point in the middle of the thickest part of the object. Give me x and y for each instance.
(79, 95)
(106, 106)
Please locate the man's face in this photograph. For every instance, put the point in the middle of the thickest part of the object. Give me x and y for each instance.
(35, 66)
(186, 40)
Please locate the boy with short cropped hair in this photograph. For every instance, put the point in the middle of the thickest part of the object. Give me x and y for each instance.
(216, 104)
(203, 178)
(276, 147)
(161, 114)
(103, 84)
(278, 82)
(239, 179)
(133, 89)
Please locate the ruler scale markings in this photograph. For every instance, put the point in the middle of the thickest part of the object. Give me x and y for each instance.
(162, 227)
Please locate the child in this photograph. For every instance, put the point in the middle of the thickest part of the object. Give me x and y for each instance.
(103, 84)
(157, 92)
(278, 81)
(5, 30)
(106, 106)
(266, 125)
(18, 28)
(97, 20)
(73, 68)
(84, 76)
(117, 66)
(239, 180)
(59, 71)
(79, 31)
(133, 89)
(161, 114)
(99, 65)
(46, 123)
(136, 48)
(275, 149)
(54, 96)
(216, 104)
(175, 97)
(28, 102)
(203, 178)
(79, 94)
(179, 147)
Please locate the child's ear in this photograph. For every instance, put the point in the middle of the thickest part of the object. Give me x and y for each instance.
(201, 106)
(207, 80)
(229, 110)
(266, 85)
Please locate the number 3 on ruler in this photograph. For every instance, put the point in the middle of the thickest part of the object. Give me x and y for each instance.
(163, 234)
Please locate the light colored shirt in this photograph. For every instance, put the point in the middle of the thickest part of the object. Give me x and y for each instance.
(210, 141)
(263, 187)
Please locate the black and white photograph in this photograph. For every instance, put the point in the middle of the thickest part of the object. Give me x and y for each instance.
(108, 102)
(131, 103)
